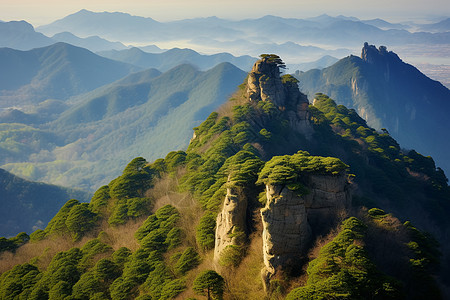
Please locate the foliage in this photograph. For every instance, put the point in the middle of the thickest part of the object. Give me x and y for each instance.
(13, 243)
(209, 283)
(273, 59)
(289, 168)
(74, 219)
(188, 260)
(135, 180)
(231, 256)
(205, 231)
(343, 270)
(19, 281)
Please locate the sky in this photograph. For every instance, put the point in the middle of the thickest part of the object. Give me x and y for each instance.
(41, 12)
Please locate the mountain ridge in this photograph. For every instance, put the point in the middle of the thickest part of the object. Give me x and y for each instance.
(389, 94)
(58, 71)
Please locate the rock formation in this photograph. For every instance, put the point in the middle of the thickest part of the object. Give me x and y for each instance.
(289, 219)
(265, 84)
(230, 222)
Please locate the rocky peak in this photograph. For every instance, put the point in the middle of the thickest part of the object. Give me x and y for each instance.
(372, 55)
(265, 84)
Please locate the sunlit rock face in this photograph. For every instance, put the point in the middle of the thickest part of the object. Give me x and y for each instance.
(289, 218)
(230, 221)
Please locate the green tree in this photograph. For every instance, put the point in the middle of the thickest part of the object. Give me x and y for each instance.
(209, 283)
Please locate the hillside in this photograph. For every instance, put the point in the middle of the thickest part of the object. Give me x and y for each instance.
(391, 94)
(273, 198)
(146, 113)
(58, 71)
(174, 57)
(27, 206)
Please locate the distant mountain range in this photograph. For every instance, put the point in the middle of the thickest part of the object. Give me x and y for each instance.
(58, 71)
(21, 35)
(442, 26)
(27, 206)
(174, 57)
(342, 31)
(92, 43)
(321, 63)
(389, 94)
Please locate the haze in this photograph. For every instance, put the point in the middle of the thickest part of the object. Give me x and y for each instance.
(45, 11)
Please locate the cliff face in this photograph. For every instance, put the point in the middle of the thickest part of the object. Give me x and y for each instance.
(290, 219)
(230, 222)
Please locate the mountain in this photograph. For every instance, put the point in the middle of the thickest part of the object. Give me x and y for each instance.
(389, 94)
(127, 28)
(146, 113)
(58, 71)
(22, 36)
(27, 206)
(174, 57)
(151, 49)
(337, 31)
(382, 24)
(92, 43)
(442, 26)
(323, 62)
(273, 198)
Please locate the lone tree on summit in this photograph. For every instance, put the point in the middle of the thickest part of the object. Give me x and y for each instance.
(274, 59)
(210, 284)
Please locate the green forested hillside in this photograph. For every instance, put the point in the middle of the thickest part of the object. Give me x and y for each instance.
(26, 205)
(151, 232)
(146, 113)
(58, 71)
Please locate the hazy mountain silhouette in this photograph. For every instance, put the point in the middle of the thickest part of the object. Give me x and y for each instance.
(174, 57)
(26, 205)
(58, 71)
(22, 36)
(92, 43)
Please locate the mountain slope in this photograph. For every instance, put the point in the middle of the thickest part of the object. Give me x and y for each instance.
(174, 57)
(57, 71)
(27, 206)
(146, 113)
(392, 94)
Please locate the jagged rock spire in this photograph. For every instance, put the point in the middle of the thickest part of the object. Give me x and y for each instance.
(265, 84)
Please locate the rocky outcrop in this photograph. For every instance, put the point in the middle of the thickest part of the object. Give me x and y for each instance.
(289, 219)
(265, 84)
(286, 230)
(230, 223)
